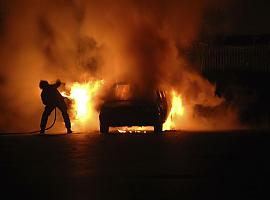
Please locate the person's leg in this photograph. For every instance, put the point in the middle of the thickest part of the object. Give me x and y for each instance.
(47, 111)
(65, 115)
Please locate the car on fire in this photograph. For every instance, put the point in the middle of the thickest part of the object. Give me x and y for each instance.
(121, 108)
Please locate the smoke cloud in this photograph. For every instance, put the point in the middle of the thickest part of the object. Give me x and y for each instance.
(75, 40)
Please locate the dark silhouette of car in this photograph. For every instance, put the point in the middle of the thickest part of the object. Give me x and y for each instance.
(123, 109)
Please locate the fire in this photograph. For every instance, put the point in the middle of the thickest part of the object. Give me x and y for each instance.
(82, 108)
(134, 129)
(82, 95)
(177, 109)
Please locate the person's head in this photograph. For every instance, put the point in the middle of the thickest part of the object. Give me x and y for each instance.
(43, 84)
(58, 83)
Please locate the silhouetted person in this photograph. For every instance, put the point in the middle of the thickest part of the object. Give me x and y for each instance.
(52, 98)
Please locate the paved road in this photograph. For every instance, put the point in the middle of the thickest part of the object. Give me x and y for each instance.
(175, 165)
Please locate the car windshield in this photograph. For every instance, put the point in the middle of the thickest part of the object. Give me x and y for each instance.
(122, 92)
(125, 92)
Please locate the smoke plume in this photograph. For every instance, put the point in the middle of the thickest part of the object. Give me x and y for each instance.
(139, 41)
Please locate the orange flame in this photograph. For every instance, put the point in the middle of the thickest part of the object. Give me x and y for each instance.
(82, 95)
(177, 109)
(83, 110)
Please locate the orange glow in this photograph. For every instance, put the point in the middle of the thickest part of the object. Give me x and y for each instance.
(177, 109)
(82, 108)
(134, 129)
(82, 95)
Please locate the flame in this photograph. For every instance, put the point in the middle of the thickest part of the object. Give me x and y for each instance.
(82, 96)
(134, 129)
(177, 109)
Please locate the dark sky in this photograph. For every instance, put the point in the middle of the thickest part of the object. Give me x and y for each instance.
(249, 17)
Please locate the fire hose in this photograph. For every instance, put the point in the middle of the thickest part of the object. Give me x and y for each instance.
(32, 132)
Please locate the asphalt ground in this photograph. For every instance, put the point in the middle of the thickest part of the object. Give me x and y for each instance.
(173, 165)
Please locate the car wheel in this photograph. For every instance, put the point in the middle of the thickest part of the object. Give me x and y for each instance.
(104, 128)
(158, 128)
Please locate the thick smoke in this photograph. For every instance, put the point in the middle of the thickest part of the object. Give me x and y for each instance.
(75, 40)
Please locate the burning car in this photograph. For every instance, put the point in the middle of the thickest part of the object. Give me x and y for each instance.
(121, 108)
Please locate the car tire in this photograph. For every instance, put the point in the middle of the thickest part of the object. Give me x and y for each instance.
(158, 128)
(104, 128)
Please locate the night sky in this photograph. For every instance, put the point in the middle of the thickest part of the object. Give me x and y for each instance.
(249, 17)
